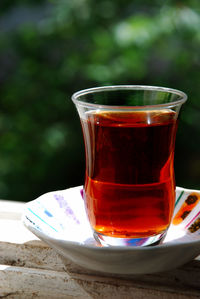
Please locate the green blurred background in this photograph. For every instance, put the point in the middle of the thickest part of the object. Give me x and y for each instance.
(50, 49)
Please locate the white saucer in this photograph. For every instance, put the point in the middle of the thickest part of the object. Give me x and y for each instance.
(59, 219)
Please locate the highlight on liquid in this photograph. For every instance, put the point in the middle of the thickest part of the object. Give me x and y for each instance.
(129, 183)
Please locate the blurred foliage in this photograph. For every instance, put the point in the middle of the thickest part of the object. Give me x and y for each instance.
(65, 46)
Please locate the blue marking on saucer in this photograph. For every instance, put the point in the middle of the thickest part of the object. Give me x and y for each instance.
(48, 213)
(42, 219)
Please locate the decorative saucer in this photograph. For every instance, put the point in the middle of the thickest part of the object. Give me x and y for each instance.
(59, 219)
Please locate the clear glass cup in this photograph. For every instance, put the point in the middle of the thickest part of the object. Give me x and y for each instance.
(129, 135)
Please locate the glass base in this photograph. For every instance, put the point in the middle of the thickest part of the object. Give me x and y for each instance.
(138, 242)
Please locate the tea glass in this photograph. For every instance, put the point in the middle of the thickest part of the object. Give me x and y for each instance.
(129, 134)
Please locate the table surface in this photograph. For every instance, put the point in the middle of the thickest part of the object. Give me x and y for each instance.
(31, 269)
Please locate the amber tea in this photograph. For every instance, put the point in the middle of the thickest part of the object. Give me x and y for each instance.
(130, 187)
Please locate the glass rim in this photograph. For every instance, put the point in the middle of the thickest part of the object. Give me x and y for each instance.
(78, 94)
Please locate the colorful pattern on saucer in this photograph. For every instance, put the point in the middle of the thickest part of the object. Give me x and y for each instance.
(186, 218)
(61, 215)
